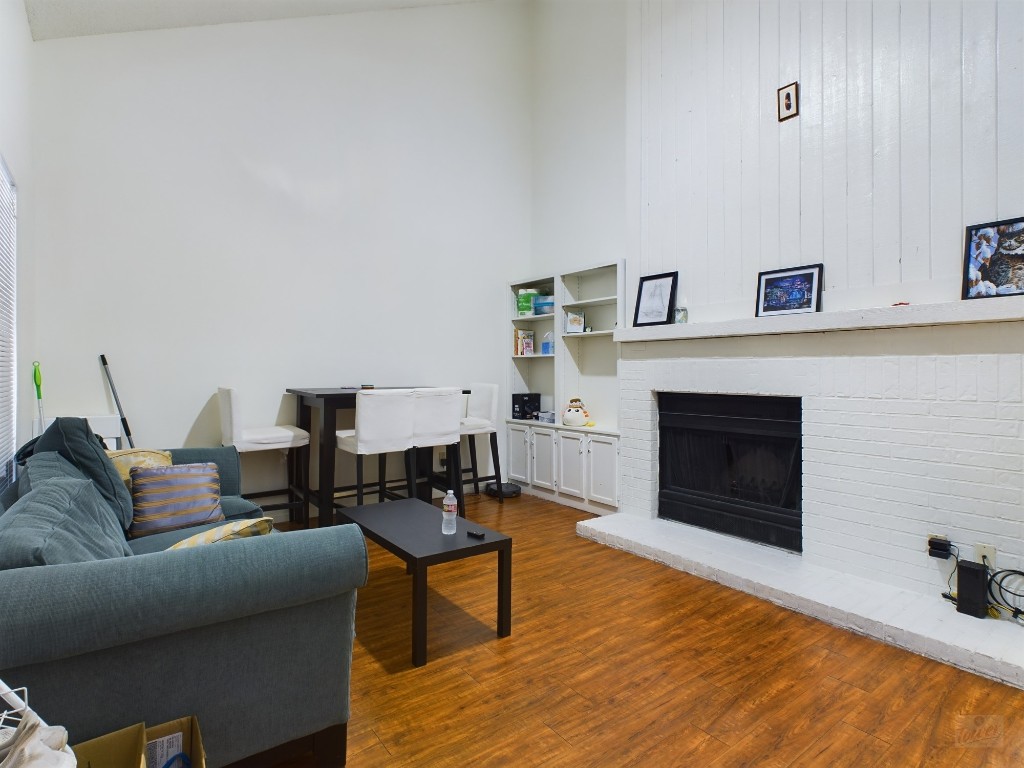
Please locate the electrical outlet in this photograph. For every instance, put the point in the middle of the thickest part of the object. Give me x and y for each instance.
(985, 554)
(938, 546)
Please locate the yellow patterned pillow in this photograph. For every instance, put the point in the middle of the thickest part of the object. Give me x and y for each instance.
(137, 457)
(239, 529)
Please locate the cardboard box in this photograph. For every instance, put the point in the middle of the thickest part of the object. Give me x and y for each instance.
(140, 747)
(121, 749)
(181, 735)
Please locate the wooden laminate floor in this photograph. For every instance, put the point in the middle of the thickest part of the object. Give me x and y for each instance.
(619, 661)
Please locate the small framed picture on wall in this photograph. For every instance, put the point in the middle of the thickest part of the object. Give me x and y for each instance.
(789, 101)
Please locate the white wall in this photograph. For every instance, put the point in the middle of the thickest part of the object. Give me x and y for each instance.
(15, 147)
(579, 119)
(909, 129)
(15, 63)
(313, 202)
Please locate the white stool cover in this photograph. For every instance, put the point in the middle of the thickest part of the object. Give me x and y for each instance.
(256, 438)
(481, 410)
(438, 416)
(384, 422)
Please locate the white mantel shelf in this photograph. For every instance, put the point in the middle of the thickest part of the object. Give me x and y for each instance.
(999, 309)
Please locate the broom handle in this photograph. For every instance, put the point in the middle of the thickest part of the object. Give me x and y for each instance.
(117, 402)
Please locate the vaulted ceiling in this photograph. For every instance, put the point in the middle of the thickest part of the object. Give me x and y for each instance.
(49, 19)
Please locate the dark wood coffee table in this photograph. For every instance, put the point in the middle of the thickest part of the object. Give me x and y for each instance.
(411, 530)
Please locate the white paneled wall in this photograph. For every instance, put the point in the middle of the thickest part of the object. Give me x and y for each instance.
(911, 126)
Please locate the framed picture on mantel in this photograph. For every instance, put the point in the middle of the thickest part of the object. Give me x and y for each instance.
(789, 291)
(655, 299)
(994, 259)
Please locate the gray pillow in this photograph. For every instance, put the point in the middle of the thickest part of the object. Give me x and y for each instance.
(73, 439)
(64, 520)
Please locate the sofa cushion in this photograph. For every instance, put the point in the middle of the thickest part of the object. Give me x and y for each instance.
(158, 542)
(8, 496)
(167, 498)
(41, 467)
(226, 459)
(238, 529)
(127, 458)
(64, 520)
(73, 439)
(235, 508)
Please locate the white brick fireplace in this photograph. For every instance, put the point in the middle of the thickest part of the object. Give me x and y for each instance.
(907, 431)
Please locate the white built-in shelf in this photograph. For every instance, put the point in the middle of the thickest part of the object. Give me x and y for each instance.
(598, 302)
(532, 357)
(530, 318)
(999, 309)
(585, 334)
(598, 428)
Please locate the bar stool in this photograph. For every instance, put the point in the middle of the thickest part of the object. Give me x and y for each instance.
(384, 424)
(438, 417)
(285, 438)
(481, 418)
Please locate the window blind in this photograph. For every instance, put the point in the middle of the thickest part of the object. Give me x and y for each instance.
(8, 337)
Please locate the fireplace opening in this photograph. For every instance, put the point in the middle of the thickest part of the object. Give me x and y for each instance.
(732, 464)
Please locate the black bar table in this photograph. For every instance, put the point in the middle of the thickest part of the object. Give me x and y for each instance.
(327, 401)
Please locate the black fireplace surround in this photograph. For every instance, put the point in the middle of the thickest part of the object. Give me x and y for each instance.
(732, 464)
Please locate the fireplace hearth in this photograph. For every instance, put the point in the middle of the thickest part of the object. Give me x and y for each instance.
(732, 464)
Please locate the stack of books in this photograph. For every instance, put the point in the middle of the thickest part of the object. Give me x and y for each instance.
(522, 342)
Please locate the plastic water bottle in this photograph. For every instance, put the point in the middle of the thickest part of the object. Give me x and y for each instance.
(449, 511)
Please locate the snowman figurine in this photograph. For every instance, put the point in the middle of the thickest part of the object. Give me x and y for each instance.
(576, 415)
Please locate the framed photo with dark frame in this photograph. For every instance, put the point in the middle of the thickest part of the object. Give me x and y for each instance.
(789, 101)
(994, 259)
(655, 299)
(789, 291)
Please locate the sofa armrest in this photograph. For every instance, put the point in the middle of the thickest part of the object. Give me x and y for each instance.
(58, 611)
(229, 466)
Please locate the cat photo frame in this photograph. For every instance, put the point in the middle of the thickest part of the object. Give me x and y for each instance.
(994, 259)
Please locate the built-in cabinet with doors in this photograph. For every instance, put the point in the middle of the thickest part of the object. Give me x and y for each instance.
(570, 354)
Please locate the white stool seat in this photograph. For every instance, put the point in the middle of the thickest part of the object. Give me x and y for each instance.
(481, 418)
(281, 437)
(269, 438)
(347, 440)
(474, 425)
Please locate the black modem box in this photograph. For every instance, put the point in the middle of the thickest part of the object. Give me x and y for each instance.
(972, 589)
(525, 405)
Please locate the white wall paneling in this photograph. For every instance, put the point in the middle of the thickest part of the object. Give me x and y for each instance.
(945, 116)
(909, 129)
(1010, 100)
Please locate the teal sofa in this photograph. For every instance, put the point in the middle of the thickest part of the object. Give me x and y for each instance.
(252, 636)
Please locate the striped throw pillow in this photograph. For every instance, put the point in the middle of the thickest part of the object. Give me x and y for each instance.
(237, 529)
(167, 498)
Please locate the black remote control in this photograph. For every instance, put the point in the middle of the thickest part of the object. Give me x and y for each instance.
(475, 534)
